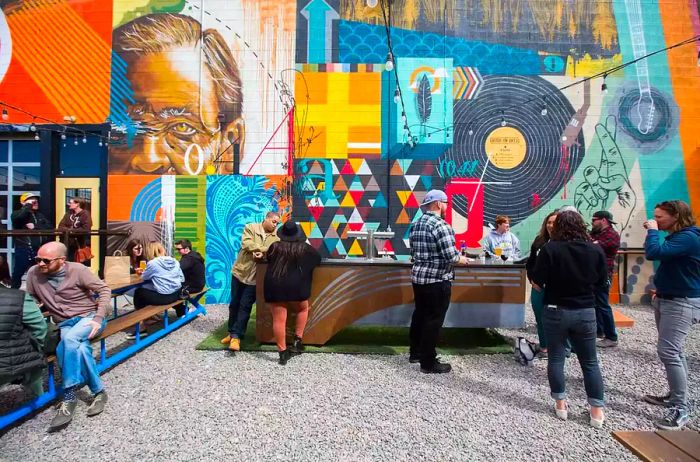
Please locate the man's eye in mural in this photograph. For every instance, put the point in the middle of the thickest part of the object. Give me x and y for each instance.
(182, 129)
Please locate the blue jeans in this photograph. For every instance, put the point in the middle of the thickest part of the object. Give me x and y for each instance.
(579, 326)
(74, 354)
(674, 318)
(242, 300)
(537, 301)
(605, 322)
(24, 259)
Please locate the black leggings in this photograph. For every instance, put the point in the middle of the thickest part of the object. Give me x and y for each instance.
(144, 297)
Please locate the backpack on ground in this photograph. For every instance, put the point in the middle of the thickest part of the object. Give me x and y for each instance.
(525, 351)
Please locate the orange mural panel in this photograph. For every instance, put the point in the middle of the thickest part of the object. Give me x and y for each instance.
(123, 189)
(682, 63)
(64, 57)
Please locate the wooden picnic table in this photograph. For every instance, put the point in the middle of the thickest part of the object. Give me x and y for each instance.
(118, 288)
(657, 446)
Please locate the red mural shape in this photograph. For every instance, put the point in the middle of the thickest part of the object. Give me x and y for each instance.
(473, 191)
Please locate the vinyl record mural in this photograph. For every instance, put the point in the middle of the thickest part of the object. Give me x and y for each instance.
(523, 157)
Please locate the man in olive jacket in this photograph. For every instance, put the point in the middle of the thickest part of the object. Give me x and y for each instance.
(256, 238)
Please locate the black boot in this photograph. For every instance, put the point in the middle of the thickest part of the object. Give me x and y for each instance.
(284, 357)
(297, 347)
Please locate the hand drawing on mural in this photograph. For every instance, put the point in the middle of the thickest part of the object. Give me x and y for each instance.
(609, 178)
(184, 110)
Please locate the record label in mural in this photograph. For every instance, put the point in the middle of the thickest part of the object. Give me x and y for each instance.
(524, 158)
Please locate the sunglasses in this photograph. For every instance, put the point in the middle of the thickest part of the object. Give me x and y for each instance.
(46, 261)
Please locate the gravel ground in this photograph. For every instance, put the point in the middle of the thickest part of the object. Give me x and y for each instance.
(172, 402)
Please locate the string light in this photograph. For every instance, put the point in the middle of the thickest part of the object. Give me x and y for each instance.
(397, 96)
(544, 107)
(100, 143)
(604, 87)
(63, 129)
(403, 118)
(471, 131)
(503, 120)
(389, 66)
(75, 140)
(36, 136)
(84, 139)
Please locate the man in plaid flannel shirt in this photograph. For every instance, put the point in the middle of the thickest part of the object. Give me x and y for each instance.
(605, 235)
(434, 253)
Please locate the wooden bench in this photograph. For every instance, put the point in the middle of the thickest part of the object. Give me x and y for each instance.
(137, 316)
(113, 326)
(657, 446)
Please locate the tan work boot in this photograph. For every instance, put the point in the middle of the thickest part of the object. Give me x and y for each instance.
(226, 340)
(235, 344)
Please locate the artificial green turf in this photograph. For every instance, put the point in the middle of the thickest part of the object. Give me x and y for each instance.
(376, 340)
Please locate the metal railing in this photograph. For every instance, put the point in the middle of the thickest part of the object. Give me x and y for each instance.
(66, 234)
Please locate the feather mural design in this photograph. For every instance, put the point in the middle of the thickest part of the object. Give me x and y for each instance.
(424, 101)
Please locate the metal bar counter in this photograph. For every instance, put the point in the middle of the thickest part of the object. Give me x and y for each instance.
(379, 292)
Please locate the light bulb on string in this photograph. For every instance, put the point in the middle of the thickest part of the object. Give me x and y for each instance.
(403, 118)
(32, 127)
(604, 87)
(405, 130)
(470, 132)
(75, 140)
(84, 139)
(5, 115)
(503, 120)
(389, 66)
(397, 96)
(63, 136)
(564, 138)
(36, 136)
(100, 143)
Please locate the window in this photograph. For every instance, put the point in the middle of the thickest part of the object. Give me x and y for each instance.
(20, 171)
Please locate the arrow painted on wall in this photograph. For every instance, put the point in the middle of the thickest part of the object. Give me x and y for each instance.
(319, 37)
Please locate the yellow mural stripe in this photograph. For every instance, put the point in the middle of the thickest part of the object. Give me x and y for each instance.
(68, 60)
(676, 20)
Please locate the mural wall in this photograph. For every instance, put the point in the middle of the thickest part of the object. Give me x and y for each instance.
(222, 110)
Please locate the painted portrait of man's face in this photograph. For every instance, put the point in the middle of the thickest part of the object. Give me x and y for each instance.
(183, 114)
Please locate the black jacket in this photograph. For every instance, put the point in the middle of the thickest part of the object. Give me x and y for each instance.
(19, 351)
(295, 284)
(25, 215)
(192, 266)
(569, 271)
(537, 244)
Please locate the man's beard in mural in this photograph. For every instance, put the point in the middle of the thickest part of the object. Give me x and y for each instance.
(177, 99)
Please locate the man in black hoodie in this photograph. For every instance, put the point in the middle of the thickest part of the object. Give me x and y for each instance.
(27, 217)
(192, 265)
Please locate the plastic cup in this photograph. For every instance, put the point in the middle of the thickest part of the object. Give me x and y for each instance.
(142, 264)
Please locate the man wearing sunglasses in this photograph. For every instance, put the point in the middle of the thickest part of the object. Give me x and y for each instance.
(66, 291)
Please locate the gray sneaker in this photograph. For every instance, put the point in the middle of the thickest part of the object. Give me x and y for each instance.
(98, 404)
(607, 343)
(63, 416)
(674, 419)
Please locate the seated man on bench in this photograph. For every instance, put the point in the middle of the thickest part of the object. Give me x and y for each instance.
(64, 289)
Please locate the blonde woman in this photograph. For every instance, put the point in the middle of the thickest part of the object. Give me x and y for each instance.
(163, 278)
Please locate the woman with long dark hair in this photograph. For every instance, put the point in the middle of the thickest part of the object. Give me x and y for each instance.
(77, 218)
(568, 268)
(537, 296)
(134, 249)
(291, 263)
(677, 302)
